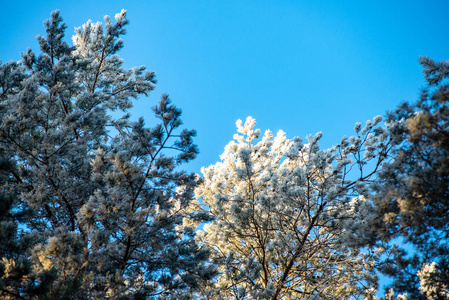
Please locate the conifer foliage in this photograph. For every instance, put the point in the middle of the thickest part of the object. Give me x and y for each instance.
(412, 194)
(92, 205)
(289, 217)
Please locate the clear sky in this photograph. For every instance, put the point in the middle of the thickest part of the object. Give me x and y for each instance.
(299, 66)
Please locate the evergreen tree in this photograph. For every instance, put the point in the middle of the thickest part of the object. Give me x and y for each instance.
(16, 245)
(105, 197)
(412, 195)
(289, 218)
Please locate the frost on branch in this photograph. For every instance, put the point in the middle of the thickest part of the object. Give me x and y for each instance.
(434, 283)
(411, 194)
(103, 197)
(288, 217)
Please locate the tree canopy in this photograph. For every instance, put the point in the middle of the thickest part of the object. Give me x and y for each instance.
(287, 215)
(412, 193)
(94, 205)
(105, 194)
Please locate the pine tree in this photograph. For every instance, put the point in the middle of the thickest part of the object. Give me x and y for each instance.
(412, 195)
(106, 194)
(16, 245)
(288, 217)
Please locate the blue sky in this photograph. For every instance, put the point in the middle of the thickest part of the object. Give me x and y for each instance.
(299, 66)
